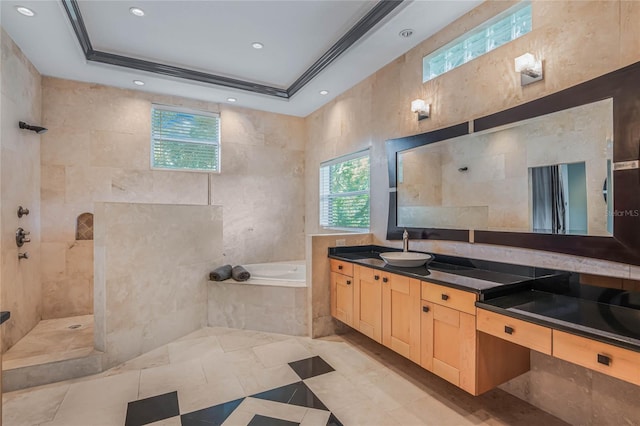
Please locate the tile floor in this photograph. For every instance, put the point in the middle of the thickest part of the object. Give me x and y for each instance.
(50, 341)
(238, 377)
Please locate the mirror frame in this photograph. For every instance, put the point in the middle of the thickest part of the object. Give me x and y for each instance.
(624, 246)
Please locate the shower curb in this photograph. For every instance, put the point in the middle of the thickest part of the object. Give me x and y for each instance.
(51, 372)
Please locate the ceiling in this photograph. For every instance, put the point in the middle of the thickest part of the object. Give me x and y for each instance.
(214, 38)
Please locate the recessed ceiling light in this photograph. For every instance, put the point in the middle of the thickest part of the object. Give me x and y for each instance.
(138, 82)
(136, 11)
(25, 11)
(231, 99)
(257, 45)
(324, 92)
(406, 33)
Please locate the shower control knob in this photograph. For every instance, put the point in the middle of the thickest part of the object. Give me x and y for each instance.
(22, 211)
(21, 237)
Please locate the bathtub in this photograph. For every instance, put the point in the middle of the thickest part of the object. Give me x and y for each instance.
(274, 299)
(282, 274)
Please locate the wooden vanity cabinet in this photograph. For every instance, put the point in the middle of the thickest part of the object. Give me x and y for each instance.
(367, 307)
(342, 290)
(430, 324)
(401, 315)
(452, 348)
(387, 309)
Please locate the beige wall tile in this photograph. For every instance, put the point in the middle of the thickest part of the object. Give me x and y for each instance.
(163, 296)
(19, 186)
(102, 137)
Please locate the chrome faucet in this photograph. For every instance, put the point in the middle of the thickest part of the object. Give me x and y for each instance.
(405, 240)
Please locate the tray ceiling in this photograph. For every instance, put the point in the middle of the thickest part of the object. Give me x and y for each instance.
(308, 45)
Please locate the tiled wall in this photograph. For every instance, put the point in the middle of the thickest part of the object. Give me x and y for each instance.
(578, 40)
(151, 274)
(98, 150)
(20, 185)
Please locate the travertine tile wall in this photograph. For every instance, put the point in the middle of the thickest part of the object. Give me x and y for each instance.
(20, 185)
(98, 150)
(318, 292)
(377, 109)
(578, 40)
(151, 274)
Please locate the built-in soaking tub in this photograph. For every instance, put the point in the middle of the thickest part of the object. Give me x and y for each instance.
(273, 300)
(281, 274)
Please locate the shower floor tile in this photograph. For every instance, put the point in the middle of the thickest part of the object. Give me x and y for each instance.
(340, 380)
(52, 340)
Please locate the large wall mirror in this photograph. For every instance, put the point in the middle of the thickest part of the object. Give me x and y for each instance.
(559, 174)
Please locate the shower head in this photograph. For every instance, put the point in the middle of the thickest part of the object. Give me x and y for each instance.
(39, 130)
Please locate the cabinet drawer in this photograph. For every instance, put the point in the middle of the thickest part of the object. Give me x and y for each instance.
(446, 296)
(607, 359)
(514, 330)
(370, 274)
(340, 267)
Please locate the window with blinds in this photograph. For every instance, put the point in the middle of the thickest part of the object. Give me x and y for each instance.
(508, 26)
(344, 192)
(184, 140)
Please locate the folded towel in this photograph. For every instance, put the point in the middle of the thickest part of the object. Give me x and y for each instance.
(240, 274)
(220, 274)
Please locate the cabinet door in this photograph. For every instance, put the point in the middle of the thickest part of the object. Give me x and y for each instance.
(449, 345)
(342, 298)
(368, 302)
(401, 315)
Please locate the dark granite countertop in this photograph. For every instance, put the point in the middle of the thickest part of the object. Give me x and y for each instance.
(612, 320)
(551, 298)
(465, 274)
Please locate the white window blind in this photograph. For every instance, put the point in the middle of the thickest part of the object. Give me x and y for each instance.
(184, 140)
(344, 192)
(500, 30)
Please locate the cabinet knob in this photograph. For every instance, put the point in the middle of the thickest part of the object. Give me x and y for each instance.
(376, 277)
(603, 359)
(425, 309)
(385, 280)
(339, 267)
(348, 282)
(445, 297)
(508, 330)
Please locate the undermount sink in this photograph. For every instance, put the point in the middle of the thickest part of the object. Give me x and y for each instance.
(406, 259)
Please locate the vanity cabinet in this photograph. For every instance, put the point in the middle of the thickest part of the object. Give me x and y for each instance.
(430, 324)
(452, 348)
(367, 306)
(532, 336)
(607, 359)
(449, 343)
(342, 289)
(387, 309)
(401, 315)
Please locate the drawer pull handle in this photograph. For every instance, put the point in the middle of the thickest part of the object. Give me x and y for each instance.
(376, 277)
(603, 359)
(425, 309)
(508, 330)
(339, 267)
(385, 280)
(445, 297)
(348, 282)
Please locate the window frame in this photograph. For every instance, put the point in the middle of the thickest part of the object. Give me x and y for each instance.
(338, 160)
(186, 111)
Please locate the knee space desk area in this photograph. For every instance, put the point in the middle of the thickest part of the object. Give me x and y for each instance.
(474, 322)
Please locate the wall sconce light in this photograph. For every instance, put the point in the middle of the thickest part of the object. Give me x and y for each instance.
(422, 108)
(530, 69)
(39, 130)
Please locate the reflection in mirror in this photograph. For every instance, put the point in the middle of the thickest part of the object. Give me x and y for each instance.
(545, 175)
